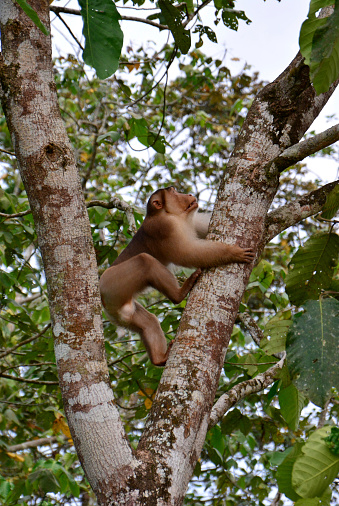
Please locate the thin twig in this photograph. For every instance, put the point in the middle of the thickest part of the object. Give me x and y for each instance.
(22, 343)
(242, 390)
(24, 380)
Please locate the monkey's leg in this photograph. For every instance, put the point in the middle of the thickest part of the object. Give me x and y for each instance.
(162, 279)
(121, 282)
(137, 318)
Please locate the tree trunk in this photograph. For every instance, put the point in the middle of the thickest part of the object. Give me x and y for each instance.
(49, 172)
(159, 472)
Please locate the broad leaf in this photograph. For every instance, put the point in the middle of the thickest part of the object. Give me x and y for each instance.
(315, 470)
(311, 347)
(291, 403)
(103, 36)
(173, 18)
(275, 333)
(319, 44)
(31, 13)
(284, 473)
(324, 500)
(312, 268)
(331, 206)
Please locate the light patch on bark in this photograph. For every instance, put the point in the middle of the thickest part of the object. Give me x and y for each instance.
(63, 253)
(178, 461)
(93, 395)
(26, 58)
(102, 443)
(285, 137)
(58, 329)
(95, 366)
(71, 378)
(8, 11)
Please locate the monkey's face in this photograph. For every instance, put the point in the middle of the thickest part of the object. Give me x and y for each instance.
(170, 201)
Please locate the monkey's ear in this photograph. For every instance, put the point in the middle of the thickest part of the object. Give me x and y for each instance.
(157, 204)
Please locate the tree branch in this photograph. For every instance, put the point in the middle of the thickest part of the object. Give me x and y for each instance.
(69, 30)
(7, 152)
(255, 331)
(36, 442)
(76, 12)
(24, 380)
(15, 215)
(242, 390)
(252, 326)
(305, 148)
(26, 341)
(116, 203)
(290, 214)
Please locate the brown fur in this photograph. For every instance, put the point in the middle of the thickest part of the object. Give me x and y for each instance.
(170, 233)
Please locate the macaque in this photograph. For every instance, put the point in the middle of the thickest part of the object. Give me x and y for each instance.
(172, 232)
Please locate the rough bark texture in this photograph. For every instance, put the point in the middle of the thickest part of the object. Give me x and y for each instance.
(49, 172)
(278, 118)
(159, 472)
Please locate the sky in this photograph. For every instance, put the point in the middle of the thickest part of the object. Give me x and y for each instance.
(268, 44)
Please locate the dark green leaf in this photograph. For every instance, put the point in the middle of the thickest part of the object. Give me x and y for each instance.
(31, 13)
(291, 403)
(207, 31)
(313, 267)
(319, 44)
(311, 347)
(173, 18)
(332, 440)
(230, 18)
(103, 36)
(331, 206)
(284, 473)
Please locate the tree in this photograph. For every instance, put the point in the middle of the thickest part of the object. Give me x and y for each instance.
(159, 469)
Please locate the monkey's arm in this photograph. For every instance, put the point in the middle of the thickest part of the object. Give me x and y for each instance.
(203, 254)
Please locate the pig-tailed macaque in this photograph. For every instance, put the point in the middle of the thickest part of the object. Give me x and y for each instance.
(172, 232)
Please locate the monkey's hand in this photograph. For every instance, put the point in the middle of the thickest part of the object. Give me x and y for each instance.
(244, 255)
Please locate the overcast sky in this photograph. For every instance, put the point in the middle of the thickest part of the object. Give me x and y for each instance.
(268, 44)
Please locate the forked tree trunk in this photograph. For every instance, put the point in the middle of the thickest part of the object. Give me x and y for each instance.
(159, 472)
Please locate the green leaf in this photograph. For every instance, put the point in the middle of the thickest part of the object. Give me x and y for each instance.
(5, 488)
(313, 267)
(319, 44)
(261, 276)
(332, 440)
(312, 343)
(331, 206)
(275, 333)
(230, 18)
(284, 473)
(324, 500)
(291, 403)
(16, 493)
(103, 36)
(111, 136)
(207, 31)
(31, 13)
(46, 480)
(315, 470)
(173, 18)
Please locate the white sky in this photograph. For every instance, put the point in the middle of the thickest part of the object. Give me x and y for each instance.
(268, 44)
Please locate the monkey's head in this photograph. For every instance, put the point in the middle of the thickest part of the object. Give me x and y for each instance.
(168, 200)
